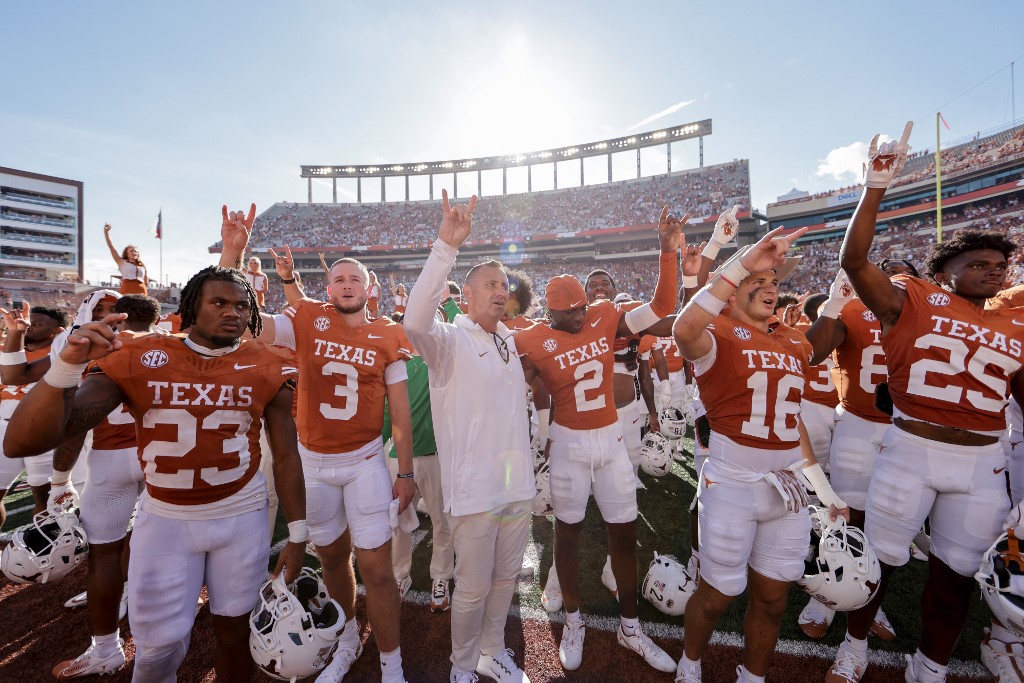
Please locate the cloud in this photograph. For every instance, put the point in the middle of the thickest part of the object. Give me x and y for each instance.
(663, 113)
(845, 164)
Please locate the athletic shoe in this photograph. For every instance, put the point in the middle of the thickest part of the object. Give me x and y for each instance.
(551, 596)
(641, 644)
(80, 600)
(89, 663)
(923, 542)
(501, 667)
(570, 649)
(526, 571)
(608, 578)
(122, 608)
(882, 628)
(403, 586)
(815, 619)
(459, 676)
(693, 568)
(439, 599)
(1004, 660)
(687, 672)
(918, 554)
(849, 667)
(910, 673)
(340, 664)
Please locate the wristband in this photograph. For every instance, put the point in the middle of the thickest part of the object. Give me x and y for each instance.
(58, 477)
(711, 250)
(298, 532)
(709, 302)
(408, 475)
(833, 307)
(13, 358)
(290, 281)
(690, 282)
(733, 272)
(819, 482)
(63, 375)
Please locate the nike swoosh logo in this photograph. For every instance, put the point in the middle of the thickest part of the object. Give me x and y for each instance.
(998, 470)
(1017, 323)
(243, 367)
(373, 336)
(620, 438)
(636, 420)
(484, 353)
(594, 324)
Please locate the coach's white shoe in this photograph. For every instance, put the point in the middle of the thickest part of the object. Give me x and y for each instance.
(608, 578)
(89, 663)
(570, 650)
(440, 598)
(551, 596)
(1004, 660)
(641, 644)
(501, 667)
(340, 664)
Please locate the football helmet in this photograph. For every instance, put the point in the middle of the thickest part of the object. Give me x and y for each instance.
(1002, 581)
(542, 501)
(667, 585)
(842, 572)
(46, 549)
(655, 455)
(673, 423)
(295, 628)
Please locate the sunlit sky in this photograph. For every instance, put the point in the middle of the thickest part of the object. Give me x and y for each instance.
(185, 106)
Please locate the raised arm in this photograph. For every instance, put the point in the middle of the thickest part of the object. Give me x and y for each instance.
(110, 245)
(235, 230)
(726, 228)
(828, 332)
(666, 292)
(284, 264)
(15, 369)
(873, 286)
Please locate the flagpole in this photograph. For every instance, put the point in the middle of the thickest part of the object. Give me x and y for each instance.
(160, 237)
(938, 179)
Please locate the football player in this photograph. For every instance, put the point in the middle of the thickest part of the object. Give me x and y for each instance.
(951, 365)
(574, 358)
(751, 506)
(198, 403)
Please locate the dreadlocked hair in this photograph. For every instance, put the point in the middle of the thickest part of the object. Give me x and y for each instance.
(189, 303)
(963, 241)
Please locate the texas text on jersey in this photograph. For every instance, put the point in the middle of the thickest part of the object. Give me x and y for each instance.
(950, 362)
(198, 418)
(577, 368)
(751, 383)
(355, 359)
(860, 362)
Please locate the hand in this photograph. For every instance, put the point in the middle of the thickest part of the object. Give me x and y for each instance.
(457, 221)
(835, 513)
(652, 422)
(692, 258)
(290, 560)
(236, 228)
(284, 264)
(323, 261)
(841, 289)
(770, 251)
(726, 227)
(93, 340)
(670, 231)
(792, 315)
(63, 495)
(15, 319)
(106, 228)
(404, 489)
(885, 162)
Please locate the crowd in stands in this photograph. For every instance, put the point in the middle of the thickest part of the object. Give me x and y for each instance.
(37, 255)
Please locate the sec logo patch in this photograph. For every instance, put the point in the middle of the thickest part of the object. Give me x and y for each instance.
(550, 345)
(154, 358)
(938, 299)
(322, 324)
(741, 333)
(869, 316)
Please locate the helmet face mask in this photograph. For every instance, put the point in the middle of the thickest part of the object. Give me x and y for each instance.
(47, 549)
(1001, 564)
(843, 572)
(542, 501)
(655, 455)
(673, 423)
(295, 628)
(667, 585)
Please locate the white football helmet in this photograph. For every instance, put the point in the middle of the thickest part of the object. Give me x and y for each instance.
(542, 501)
(843, 572)
(1002, 577)
(667, 585)
(673, 423)
(655, 455)
(295, 628)
(46, 549)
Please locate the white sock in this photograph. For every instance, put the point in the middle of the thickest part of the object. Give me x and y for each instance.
(391, 666)
(105, 645)
(574, 617)
(1002, 634)
(630, 626)
(688, 664)
(857, 646)
(927, 671)
(744, 676)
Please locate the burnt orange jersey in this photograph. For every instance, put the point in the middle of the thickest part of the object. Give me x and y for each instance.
(116, 430)
(577, 368)
(11, 394)
(1012, 297)
(198, 419)
(342, 386)
(949, 361)
(752, 385)
(171, 322)
(860, 362)
(520, 322)
(819, 388)
(673, 361)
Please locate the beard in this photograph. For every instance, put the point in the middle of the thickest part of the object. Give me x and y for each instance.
(351, 306)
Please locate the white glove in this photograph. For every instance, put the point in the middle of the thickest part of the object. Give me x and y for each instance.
(664, 393)
(885, 162)
(62, 496)
(792, 490)
(726, 228)
(540, 437)
(839, 294)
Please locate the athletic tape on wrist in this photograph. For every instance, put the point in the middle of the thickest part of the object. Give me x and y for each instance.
(733, 272)
(819, 482)
(832, 308)
(690, 282)
(298, 531)
(62, 375)
(709, 302)
(14, 358)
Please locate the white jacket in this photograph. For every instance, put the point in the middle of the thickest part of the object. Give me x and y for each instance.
(478, 400)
